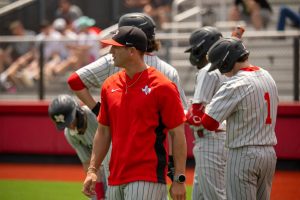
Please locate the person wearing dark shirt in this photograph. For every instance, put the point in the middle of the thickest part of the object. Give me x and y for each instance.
(288, 13)
(258, 12)
(68, 11)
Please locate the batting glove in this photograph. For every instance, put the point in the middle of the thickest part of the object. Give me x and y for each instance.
(194, 114)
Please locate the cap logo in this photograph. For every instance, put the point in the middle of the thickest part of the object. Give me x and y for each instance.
(129, 36)
(225, 56)
(142, 24)
(116, 32)
(243, 45)
(59, 118)
(199, 45)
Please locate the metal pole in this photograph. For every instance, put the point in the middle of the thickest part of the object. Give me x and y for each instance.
(42, 11)
(41, 64)
(296, 68)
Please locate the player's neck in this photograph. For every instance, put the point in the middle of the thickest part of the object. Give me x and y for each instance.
(135, 67)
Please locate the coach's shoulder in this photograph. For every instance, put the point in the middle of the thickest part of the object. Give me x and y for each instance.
(114, 78)
(157, 77)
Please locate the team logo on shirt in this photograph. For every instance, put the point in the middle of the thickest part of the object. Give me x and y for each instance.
(146, 90)
(59, 118)
(114, 90)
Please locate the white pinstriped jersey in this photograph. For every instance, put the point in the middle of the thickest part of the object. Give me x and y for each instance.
(94, 74)
(247, 100)
(207, 85)
(209, 152)
(83, 144)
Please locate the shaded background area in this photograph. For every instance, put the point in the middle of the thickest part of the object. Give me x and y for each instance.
(105, 12)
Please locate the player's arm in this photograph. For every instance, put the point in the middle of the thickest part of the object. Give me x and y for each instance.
(86, 165)
(175, 79)
(178, 190)
(221, 106)
(101, 145)
(85, 96)
(202, 95)
(78, 87)
(177, 82)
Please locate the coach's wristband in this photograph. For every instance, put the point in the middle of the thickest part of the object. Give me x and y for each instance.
(92, 169)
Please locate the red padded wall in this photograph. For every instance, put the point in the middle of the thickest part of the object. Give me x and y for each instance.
(26, 128)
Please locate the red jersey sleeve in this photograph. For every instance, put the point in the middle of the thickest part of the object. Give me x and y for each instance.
(170, 105)
(75, 82)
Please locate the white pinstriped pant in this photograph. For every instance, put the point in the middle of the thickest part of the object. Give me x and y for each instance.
(139, 190)
(249, 172)
(209, 176)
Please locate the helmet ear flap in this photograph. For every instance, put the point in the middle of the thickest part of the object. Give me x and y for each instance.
(81, 120)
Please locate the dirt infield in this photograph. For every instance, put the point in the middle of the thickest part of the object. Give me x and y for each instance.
(54, 172)
(285, 184)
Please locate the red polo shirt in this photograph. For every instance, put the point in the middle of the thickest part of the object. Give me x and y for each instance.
(139, 121)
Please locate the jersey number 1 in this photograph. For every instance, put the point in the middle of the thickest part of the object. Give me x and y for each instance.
(267, 98)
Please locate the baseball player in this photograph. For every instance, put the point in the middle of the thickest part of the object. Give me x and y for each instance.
(94, 74)
(138, 107)
(79, 125)
(248, 102)
(209, 150)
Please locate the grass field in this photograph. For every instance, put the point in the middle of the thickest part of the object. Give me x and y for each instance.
(28, 190)
(24, 181)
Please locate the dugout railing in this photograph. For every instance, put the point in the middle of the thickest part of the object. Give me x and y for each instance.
(278, 52)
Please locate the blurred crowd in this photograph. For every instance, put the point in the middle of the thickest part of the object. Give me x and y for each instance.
(70, 41)
(71, 38)
(159, 10)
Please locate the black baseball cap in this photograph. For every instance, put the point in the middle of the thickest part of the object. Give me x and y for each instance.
(128, 36)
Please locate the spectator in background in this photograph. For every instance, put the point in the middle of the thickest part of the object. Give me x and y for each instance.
(160, 10)
(135, 5)
(25, 71)
(18, 74)
(5, 85)
(14, 59)
(51, 48)
(288, 13)
(20, 48)
(68, 11)
(60, 25)
(67, 56)
(258, 12)
(87, 45)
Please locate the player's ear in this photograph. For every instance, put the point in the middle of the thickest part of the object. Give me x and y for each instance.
(131, 50)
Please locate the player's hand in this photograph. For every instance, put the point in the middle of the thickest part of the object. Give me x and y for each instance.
(89, 184)
(171, 168)
(194, 114)
(178, 191)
